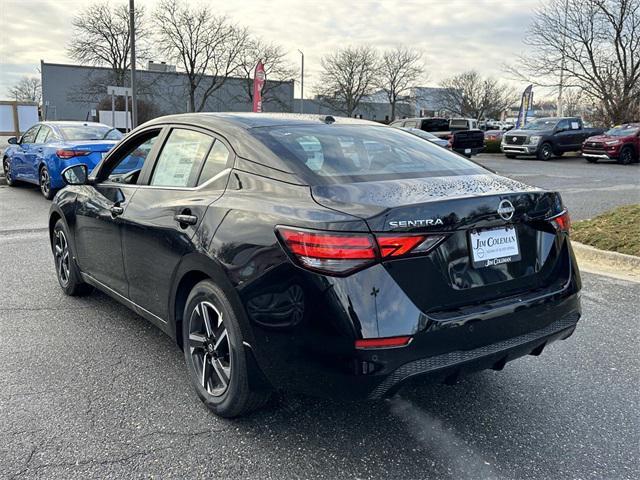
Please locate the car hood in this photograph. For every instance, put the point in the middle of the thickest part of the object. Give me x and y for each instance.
(528, 132)
(603, 138)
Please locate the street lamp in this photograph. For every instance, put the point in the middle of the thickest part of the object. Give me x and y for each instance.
(302, 83)
(132, 37)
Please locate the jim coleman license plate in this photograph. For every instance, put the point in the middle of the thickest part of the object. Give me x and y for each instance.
(493, 247)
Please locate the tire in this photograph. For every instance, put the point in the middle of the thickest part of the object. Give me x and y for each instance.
(545, 152)
(626, 156)
(215, 354)
(66, 268)
(44, 180)
(6, 168)
(510, 155)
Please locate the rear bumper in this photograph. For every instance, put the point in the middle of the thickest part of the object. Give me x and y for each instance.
(321, 363)
(468, 151)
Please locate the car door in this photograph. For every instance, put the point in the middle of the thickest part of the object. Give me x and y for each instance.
(36, 151)
(162, 220)
(22, 154)
(564, 135)
(102, 205)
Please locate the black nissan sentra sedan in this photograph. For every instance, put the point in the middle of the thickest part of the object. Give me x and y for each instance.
(328, 256)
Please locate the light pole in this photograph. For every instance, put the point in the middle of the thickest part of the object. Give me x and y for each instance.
(132, 37)
(559, 108)
(302, 83)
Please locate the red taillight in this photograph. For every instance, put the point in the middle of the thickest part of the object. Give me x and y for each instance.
(65, 154)
(562, 222)
(340, 253)
(388, 342)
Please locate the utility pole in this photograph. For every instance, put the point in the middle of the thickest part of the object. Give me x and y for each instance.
(302, 83)
(559, 107)
(132, 37)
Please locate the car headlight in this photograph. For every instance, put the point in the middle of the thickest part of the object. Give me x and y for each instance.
(612, 142)
(534, 139)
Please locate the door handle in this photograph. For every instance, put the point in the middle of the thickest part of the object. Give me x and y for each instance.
(184, 219)
(116, 210)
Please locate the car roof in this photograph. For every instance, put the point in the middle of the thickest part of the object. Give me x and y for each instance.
(252, 120)
(63, 123)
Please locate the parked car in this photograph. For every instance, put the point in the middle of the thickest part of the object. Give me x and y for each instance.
(547, 137)
(621, 143)
(441, 142)
(463, 133)
(335, 257)
(494, 135)
(47, 148)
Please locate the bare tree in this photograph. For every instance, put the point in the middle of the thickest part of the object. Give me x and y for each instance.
(594, 45)
(470, 95)
(207, 47)
(101, 36)
(347, 76)
(28, 89)
(277, 69)
(398, 72)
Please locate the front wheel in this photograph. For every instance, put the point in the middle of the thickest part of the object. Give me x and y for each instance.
(215, 355)
(6, 167)
(545, 152)
(45, 183)
(626, 156)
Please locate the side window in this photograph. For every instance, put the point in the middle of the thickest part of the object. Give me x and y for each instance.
(30, 135)
(312, 149)
(179, 161)
(215, 163)
(563, 125)
(127, 166)
(43, 134)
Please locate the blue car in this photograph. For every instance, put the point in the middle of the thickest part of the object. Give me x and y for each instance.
(47, 148)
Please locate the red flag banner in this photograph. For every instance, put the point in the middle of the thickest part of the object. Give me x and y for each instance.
(259, 77)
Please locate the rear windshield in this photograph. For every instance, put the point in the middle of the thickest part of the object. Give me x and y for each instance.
(459, 124)
(89, 132)
(351, 153)
(435, 125)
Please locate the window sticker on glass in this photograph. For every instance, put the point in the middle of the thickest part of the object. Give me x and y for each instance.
(180, 158)
(575, 126)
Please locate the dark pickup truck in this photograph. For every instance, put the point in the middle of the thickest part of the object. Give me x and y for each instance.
(547, 137)
(462, 133)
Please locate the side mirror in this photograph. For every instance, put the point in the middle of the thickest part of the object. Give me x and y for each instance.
(75, 174)
(12, 141)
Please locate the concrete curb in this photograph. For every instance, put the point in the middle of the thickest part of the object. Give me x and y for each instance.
(606, 262)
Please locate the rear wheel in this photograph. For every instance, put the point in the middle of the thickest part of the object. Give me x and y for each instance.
(545, 152)
(215, 355)
(626, 156)
(45, 183)
(66, 268)
(6, 167)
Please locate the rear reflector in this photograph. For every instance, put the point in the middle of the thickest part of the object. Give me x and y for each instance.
(388, 342)
(562, 222)
(65, 154)
(341, 253)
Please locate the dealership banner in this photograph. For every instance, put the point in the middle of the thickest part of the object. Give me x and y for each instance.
(259, 77)
(525, 106)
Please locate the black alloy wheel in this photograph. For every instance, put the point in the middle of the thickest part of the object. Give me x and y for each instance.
(626, 156)
(66, 268)
(209, 348)
(45, 184)
(545, 153)
(215, 353)
(6, 167)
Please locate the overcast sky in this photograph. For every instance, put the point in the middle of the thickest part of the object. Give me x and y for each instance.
(455, 35)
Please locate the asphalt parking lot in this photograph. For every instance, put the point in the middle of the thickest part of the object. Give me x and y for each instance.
(90, 390)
